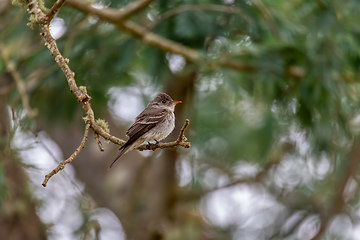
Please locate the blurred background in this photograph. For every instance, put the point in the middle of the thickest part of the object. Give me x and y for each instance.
(273, 99)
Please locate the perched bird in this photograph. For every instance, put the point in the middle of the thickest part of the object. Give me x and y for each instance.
(154, 123)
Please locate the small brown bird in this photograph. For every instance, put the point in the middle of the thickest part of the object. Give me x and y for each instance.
(154, 123)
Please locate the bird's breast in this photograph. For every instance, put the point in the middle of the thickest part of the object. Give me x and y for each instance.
(163, 129)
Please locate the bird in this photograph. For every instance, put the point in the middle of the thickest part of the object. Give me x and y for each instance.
(154, 123)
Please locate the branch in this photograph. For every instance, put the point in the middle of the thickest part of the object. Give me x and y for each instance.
(155, 40)
(133, 8)
(181, 141)
(81, 96)
(61, 166)
(57, 5)
(97, 138)
(142, 32)
(339, 201)
(50, 43)
(200, 7)
(267, 17)
(80, 93)
(20, 84)
(93, 225)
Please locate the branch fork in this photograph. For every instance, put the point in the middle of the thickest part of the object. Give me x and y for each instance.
(43, 20)
(180, 141)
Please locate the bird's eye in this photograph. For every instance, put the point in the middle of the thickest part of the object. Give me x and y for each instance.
(163, 101)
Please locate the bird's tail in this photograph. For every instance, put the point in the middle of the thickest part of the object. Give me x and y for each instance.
(123, 149)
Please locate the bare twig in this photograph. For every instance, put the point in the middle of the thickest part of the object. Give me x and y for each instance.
(90, 226)
(80, 94)
(55, 8)
(339, 201)
(148, 37)
(97, 138)
(63, 64)
(181, 141)
(20, 84)
(61, 166)
(133, 8)
(200, 7)
(110, 15)
(41, 19)
(267, 17)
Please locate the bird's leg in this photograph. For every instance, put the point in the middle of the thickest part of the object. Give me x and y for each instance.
(157, 142)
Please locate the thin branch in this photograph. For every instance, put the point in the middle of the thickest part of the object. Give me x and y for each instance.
(41, 19)
(40, 141)
(61, 166)
(133, 8)
(155, 40)
(80, 93)
(200, 7)
(108, 14)
(63, 64)
(55, 8)
(90, 226)
(20, 84)
(339, 201)
(182, 131)
(180, 141)
(267, 17)
(97, 138)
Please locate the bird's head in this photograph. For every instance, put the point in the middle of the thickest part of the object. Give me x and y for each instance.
(163, 100)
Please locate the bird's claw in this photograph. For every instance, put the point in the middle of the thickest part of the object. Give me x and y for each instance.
(153, 146)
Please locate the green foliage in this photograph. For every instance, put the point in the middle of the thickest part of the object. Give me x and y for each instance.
(306, 56)
(319, 39)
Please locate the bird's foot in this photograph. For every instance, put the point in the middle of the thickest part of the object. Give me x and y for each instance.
(157, 143)
(153, 146)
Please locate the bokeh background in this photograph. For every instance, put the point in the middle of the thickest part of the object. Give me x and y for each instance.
(273, 99)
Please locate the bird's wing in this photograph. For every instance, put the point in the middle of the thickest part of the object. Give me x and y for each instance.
(143, 123)
(146, 121)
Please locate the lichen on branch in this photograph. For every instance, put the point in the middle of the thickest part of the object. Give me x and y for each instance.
(100, 127)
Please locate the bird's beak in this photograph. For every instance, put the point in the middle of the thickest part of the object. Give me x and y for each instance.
(176, 102)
